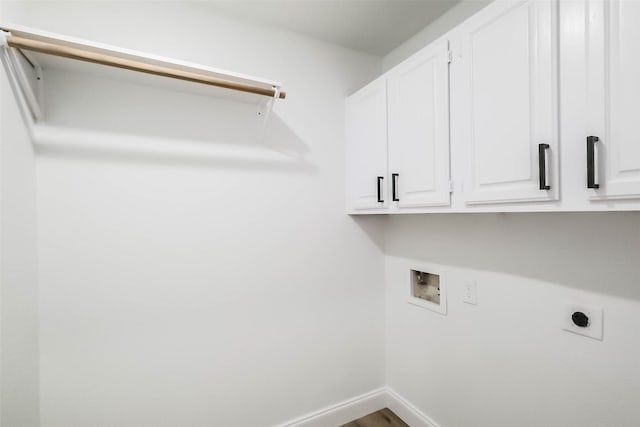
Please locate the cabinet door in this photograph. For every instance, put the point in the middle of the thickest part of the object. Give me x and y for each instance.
(366, 140)
(613, 98)
(510, 66)
(419, 129)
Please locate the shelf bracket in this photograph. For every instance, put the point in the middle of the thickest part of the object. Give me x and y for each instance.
(265, 109)
(25, 84)
(3, 37)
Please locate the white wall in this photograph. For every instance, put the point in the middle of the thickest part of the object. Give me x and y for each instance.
(18, 284)
(191, 273)
(506, 361)
(440, 26)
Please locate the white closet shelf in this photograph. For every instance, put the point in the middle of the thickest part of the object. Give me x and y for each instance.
(28, 41)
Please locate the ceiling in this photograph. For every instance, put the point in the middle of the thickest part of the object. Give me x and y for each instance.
(372, 26)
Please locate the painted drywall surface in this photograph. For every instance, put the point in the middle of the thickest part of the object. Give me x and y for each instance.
(507, 361)
(18, 284)
(454, 16)
(193, 273)
(16, 10)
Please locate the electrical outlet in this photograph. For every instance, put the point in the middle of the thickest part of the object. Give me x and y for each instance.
(470, 292)
(583, 320)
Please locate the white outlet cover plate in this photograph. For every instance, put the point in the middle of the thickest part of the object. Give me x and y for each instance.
(470, 292)
(593, 330)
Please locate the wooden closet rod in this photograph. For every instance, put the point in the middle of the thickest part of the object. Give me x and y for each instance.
(129, 64)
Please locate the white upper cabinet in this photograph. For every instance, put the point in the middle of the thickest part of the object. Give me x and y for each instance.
(613, 85)
(508, 72)
(473, 122)
(418, 129)
(366, 141)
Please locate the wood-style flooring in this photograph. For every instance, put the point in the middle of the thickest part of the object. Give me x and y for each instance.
(382, 418)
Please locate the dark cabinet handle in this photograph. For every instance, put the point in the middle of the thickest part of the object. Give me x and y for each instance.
(542, 166)
(394, 186)
(591, 162)
(380, 199)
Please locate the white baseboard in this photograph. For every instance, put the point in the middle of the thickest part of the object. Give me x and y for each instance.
(357, 407)
(406, 411)
(343, 412)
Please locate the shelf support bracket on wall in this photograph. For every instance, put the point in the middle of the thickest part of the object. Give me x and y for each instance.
(265, 108)
(25, 77)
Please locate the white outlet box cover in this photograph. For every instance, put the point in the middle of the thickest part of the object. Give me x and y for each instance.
(437, 308)
(593, 330)
(470, 292)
